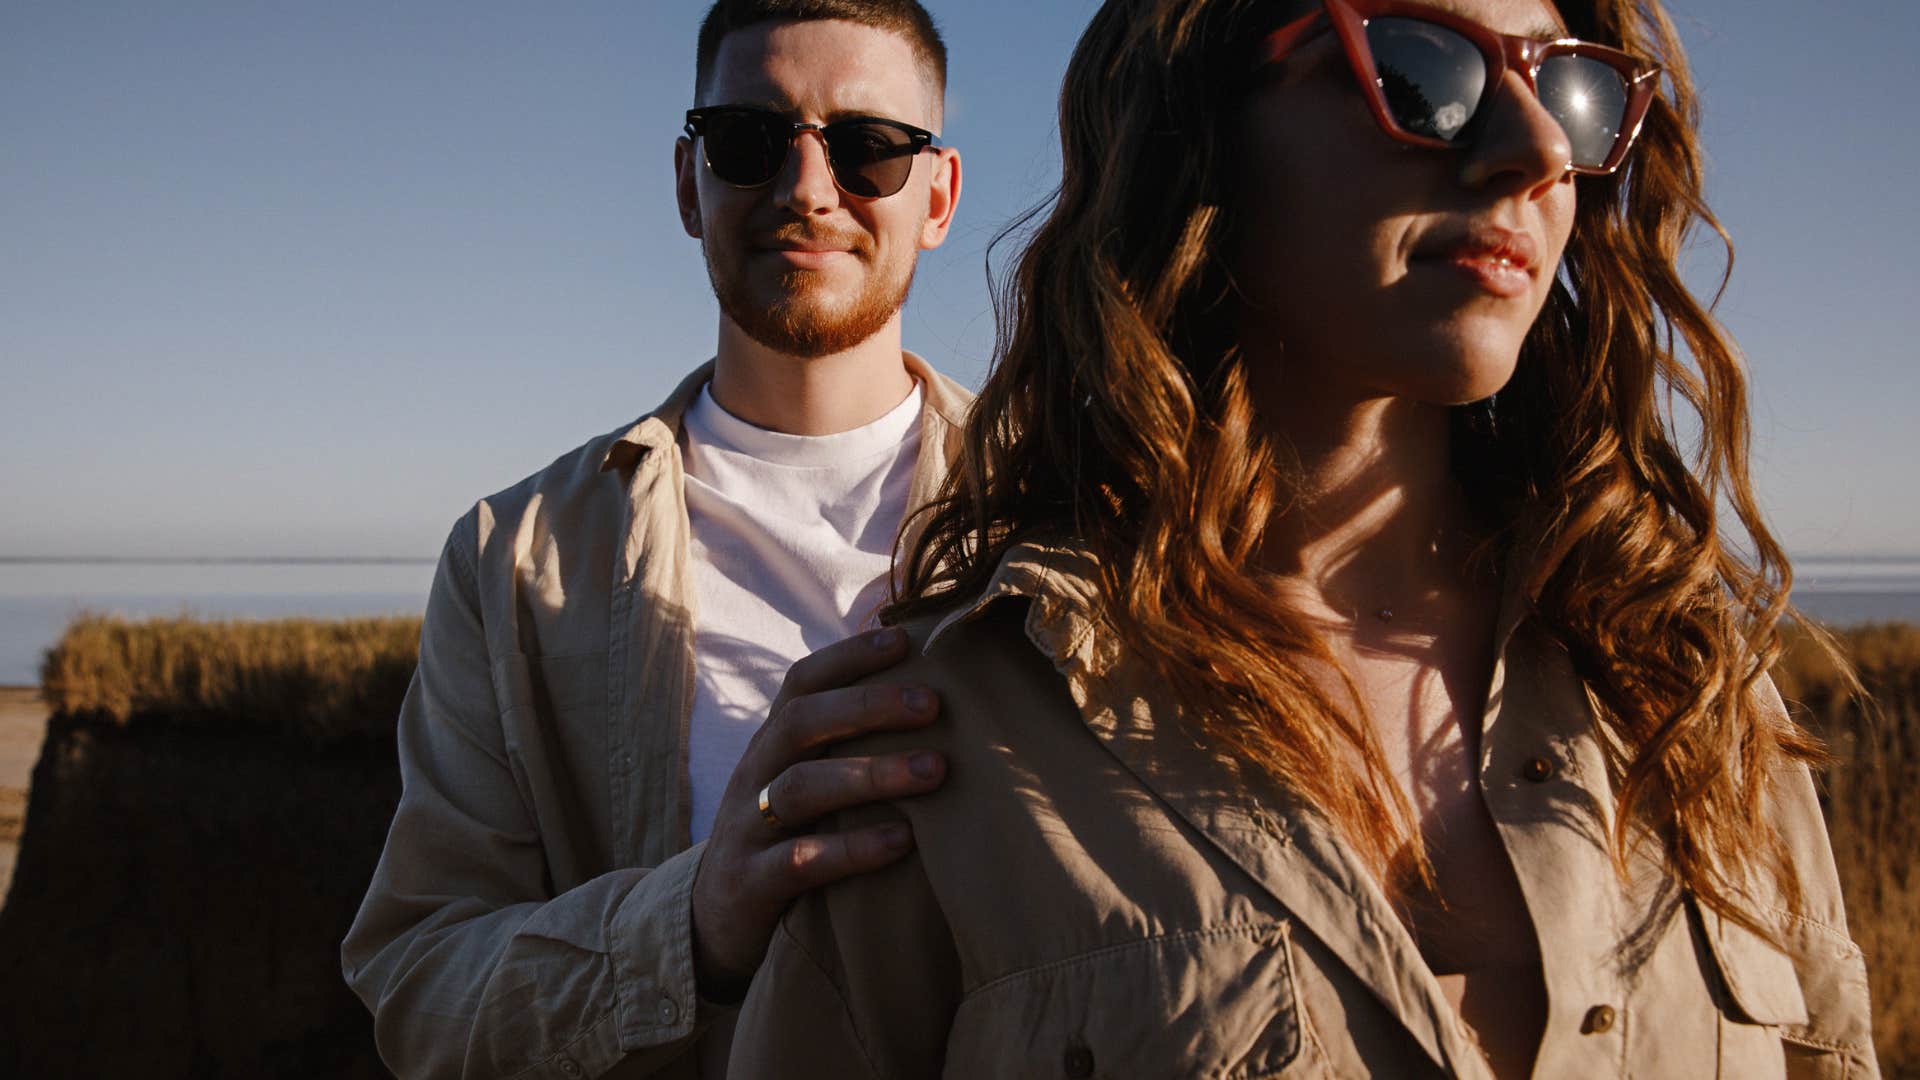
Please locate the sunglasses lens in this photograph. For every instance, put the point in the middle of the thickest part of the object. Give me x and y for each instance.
(1589, 98)
(1432, 77)
(745, 148)
(871, 161)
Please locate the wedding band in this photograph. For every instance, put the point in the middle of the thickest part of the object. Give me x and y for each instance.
(766, 810)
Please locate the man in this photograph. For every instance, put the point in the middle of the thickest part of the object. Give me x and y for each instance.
(598, 832)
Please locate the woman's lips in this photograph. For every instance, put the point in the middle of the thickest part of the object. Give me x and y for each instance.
(1496, 274)
(1499, 261)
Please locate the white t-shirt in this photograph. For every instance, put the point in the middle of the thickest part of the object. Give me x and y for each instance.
(792, 542)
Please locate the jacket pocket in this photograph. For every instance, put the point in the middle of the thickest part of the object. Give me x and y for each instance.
(1216, 1003)
(1762, 996)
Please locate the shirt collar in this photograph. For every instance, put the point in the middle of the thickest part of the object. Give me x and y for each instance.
(661, 427)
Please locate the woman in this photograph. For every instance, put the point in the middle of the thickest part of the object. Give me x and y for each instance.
(1343, 669)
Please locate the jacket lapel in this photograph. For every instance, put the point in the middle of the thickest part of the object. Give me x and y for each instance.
(1289, 852)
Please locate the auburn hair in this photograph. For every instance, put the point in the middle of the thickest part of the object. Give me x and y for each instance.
(1118, 415)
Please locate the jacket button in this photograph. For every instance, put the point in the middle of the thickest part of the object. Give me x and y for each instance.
(669, 1012)
(570, 1066)
(1538, 769)
(1599, 1020)
(1079, 1062)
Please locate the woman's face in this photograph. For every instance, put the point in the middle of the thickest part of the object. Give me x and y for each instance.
(1369, 268)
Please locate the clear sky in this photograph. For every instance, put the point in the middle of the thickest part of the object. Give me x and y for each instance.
(291, 278)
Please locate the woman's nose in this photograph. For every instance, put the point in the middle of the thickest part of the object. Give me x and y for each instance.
(1521, 145)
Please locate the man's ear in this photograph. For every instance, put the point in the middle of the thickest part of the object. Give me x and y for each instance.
(686, 184)
(943, 195)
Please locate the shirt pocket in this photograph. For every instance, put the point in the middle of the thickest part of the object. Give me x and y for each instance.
(1218, 1003)
(1761, 996)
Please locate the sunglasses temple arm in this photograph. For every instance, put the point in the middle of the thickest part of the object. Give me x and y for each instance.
(1281, 43)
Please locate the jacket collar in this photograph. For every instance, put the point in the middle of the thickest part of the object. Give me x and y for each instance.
(945, 400)
(1064, 621)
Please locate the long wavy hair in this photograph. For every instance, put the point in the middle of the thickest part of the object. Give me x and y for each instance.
(1119, 415)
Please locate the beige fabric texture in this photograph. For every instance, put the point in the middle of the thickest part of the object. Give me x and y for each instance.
(531, 915)
(1094, 893)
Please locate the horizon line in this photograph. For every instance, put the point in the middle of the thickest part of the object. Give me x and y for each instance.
(215, 560)
(417, 560)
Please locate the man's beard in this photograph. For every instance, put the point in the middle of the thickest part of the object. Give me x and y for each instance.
(798, 323)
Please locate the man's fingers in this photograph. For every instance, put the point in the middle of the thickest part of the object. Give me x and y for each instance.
(808, 862)
(808, 725)
(810, 790)
(844, 661)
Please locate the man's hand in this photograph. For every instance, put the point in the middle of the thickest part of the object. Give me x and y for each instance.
(752, 870)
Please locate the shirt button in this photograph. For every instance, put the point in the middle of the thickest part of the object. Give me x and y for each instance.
(570, 1066)
(1538, 769)
(1079, 1062)
(669, 1012)
(1599, 1020)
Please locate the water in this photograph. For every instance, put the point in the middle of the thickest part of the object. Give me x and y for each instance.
(38, 598)
(1844, 592)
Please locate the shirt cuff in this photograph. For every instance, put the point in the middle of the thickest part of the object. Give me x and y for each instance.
(652, 947)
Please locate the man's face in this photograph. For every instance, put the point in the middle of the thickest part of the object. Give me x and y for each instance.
(799, 265)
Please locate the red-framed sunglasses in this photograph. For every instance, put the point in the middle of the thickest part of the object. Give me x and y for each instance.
(1427, 73)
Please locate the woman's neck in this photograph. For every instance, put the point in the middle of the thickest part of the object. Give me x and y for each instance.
(1377, 523)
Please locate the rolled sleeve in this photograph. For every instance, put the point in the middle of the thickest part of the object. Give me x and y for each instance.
(651, 939)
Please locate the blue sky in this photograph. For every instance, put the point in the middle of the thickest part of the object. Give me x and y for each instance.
(289, 278)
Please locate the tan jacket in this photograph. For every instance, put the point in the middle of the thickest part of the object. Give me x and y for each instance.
(1094, 894)
(531, 913)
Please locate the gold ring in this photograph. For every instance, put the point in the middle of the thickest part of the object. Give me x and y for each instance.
(766, 810)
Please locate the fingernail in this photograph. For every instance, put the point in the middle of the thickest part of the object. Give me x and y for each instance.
(925, 765)
(896, 836)
(890, 638)
(916, 699)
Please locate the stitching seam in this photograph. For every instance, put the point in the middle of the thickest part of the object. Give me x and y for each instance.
(1808, 920)
(568, 1045)
(1795, 1036)
(1233, 929)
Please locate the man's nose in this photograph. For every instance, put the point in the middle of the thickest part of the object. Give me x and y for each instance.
(805, 184)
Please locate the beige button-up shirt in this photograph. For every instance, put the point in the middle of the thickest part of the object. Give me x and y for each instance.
(1094, 892)
(531, 915)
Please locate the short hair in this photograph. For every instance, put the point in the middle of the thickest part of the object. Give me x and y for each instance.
(904, 17)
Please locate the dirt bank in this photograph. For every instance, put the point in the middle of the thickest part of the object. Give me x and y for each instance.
(23, 728)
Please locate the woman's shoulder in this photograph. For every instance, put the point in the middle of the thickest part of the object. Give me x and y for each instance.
(983, 665)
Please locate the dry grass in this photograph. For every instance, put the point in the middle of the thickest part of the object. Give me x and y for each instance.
(322, 680)
(1871, 794)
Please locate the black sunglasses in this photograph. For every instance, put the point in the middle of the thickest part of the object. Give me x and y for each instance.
(871, 158)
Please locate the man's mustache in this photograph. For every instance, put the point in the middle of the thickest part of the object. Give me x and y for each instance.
(804, 236)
